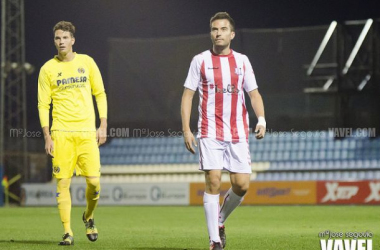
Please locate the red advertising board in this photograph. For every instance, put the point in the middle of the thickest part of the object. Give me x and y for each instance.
(348, 192)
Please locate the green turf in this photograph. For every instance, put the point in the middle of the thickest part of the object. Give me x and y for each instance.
(178, 228)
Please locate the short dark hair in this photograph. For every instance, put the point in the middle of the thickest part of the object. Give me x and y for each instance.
(65, 26)
(223, 15)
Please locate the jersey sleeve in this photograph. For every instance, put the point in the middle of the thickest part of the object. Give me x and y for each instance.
(97, 88)
(249, 76)
(44, 97)
(194, 75)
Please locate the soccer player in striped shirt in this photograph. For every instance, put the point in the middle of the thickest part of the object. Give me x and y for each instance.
(68, 81)
(221, 75)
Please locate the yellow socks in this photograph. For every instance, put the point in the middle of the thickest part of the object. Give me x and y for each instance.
(92, 196)
(64, 203)
(64, 200)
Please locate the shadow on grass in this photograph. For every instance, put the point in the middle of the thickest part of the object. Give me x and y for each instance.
(36, 242)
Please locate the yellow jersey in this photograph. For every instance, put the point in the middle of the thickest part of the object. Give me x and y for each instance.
(69, 86)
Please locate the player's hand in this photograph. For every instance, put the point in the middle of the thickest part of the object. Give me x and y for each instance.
(260, 132)
(189, 140)
(49, 146)
(101, 135)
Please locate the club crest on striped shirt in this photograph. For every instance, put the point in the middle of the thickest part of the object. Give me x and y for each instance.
(238, 71)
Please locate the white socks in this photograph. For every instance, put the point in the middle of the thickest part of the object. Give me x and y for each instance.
(215, 219)
(230, 202)
(211, 205)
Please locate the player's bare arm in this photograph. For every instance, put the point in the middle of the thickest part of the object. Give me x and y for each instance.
(187, 101)
(101, 132)
(49, 144)
(258, 107)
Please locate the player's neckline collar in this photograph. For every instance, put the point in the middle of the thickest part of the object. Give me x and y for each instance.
(57, 58)
(214, 54)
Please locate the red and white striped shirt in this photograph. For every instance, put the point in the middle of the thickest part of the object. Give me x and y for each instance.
(220, 80)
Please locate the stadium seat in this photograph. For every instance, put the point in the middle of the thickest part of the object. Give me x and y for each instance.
(317, 157)
(330, 176)
(313, 176)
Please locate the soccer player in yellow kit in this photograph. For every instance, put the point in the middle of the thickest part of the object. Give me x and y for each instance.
(68, 81)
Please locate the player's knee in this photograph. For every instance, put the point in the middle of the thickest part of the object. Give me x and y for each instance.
(63, 184)
(240, 188)
(244, 187)
(63, 192)
(93, 183)
(213, 185)
(93, 186)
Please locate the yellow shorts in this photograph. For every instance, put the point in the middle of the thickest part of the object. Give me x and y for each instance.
(75, 150)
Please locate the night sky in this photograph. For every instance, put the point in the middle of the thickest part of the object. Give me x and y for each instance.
(98, 20)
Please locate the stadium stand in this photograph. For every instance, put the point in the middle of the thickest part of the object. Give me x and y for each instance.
(285, 156)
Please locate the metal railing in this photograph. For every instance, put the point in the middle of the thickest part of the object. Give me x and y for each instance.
(322, 47)
(343, 63)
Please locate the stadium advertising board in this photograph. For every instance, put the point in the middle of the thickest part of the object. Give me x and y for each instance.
(38, 194)
(111, 194)
(282, 192)
(286, 192)
(302, 192)
(197, 190)
(348, 192)
(136, 194)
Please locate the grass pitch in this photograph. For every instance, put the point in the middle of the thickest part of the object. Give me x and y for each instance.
(179, 228)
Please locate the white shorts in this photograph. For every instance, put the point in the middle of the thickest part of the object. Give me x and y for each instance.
(233, 157)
